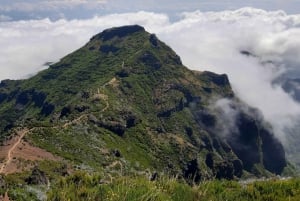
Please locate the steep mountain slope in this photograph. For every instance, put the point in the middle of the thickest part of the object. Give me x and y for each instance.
(289, 81)
(125, 101)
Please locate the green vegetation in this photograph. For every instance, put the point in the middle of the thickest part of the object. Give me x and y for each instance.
(86, 187)
(81, 185)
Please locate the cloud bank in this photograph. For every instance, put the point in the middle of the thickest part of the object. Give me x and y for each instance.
(205, 41)
(213, 41)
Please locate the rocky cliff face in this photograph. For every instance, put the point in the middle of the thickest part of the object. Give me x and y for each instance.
(126, 97)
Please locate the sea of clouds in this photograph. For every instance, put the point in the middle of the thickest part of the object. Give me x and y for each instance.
(210, 41)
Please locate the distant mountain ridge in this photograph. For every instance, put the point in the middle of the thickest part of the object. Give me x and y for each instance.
(126, 97)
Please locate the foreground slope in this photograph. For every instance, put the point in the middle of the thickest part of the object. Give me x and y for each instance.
(125, 102)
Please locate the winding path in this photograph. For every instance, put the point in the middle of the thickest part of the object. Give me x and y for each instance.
(23, 132)
(9, 153)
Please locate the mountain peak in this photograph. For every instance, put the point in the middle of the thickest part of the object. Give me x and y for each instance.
(126, 94)
(118, 32)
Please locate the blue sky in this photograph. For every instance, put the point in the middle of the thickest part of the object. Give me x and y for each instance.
(82, 9)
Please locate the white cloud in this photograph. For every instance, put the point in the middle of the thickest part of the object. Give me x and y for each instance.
(205, 41)
(213, 40)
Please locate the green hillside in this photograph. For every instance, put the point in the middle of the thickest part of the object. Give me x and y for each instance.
(125, 104)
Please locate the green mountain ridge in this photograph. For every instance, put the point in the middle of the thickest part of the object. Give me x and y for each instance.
(126, 98)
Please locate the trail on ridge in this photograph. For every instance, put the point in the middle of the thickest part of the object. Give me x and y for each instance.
(22, 133)
(9, 158)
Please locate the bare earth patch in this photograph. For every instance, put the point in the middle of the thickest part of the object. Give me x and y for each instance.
(17, 155)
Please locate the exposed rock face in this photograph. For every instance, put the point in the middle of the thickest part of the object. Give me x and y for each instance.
(108, 49)
(254, 144)
(110, 124)
(3, 96)
(238, 167)
(37, 177)
(245, 143)
(65, 112)
(272, 151)
(224, 170)
(47, 109)
(192, 171)
(150, 60)
(220, 80)
(117, 153)
(248, 137)
(118, 32)
(26, 96)
(153, 40)
(39, 98)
